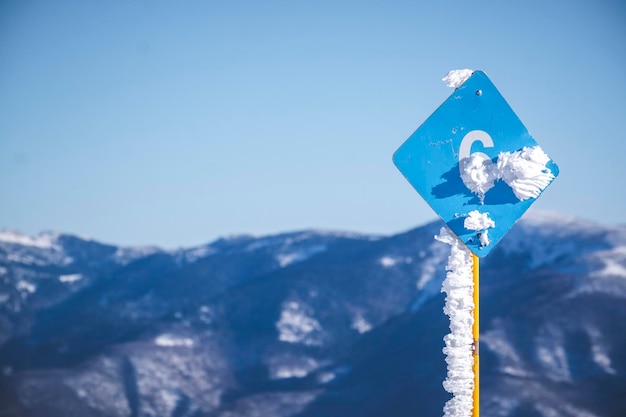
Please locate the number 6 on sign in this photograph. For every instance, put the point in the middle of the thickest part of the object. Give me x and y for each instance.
(470, 138)
(476, 169)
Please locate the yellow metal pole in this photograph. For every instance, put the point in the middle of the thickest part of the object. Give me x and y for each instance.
(476, 333)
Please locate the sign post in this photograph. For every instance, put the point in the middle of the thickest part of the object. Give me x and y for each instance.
(476, 165)
(476, 336)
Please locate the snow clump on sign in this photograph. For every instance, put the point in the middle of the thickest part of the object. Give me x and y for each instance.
(478, 173)
(479, 222)
(476, 220)
(456, 78)
(459, 306)
(525, 171)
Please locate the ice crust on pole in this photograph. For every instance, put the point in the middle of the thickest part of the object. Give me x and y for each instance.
(459, 306)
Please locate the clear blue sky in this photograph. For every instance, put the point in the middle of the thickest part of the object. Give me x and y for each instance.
(175, 122)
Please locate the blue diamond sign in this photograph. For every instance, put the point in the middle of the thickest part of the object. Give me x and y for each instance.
(475, 164)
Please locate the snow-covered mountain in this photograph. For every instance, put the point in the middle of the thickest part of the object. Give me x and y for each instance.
(309, 324)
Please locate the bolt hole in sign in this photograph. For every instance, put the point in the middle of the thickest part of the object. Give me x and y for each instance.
(475, 164)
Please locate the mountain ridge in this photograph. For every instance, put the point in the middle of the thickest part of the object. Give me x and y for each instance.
(310, 324)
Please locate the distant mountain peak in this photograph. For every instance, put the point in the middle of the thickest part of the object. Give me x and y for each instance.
(44, 240)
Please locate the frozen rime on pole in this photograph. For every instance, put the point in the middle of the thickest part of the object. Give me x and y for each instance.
(456, 78)
(458, 287)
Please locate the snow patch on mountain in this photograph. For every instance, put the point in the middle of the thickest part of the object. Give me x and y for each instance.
(614, 263)
(165, 379)
(46, 257)
(100, 389)
(325, 377)
(537, 233)
(278, 241)
(70, 278)
(496, 339)
(389, 261)
(171, 340)
(46, 240)
(25, 286)
(299, 255)
(169, 400)
(197, 253)
(295, 247)
(126, 255)
(360, 324)
(571, 245)
(206, 315)
(291, 366)
(334, 234)
(607, 274)
(551, 353)
(430, 273)
(297, 325)
(303, 239)
(43, 249)
(600, 351)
